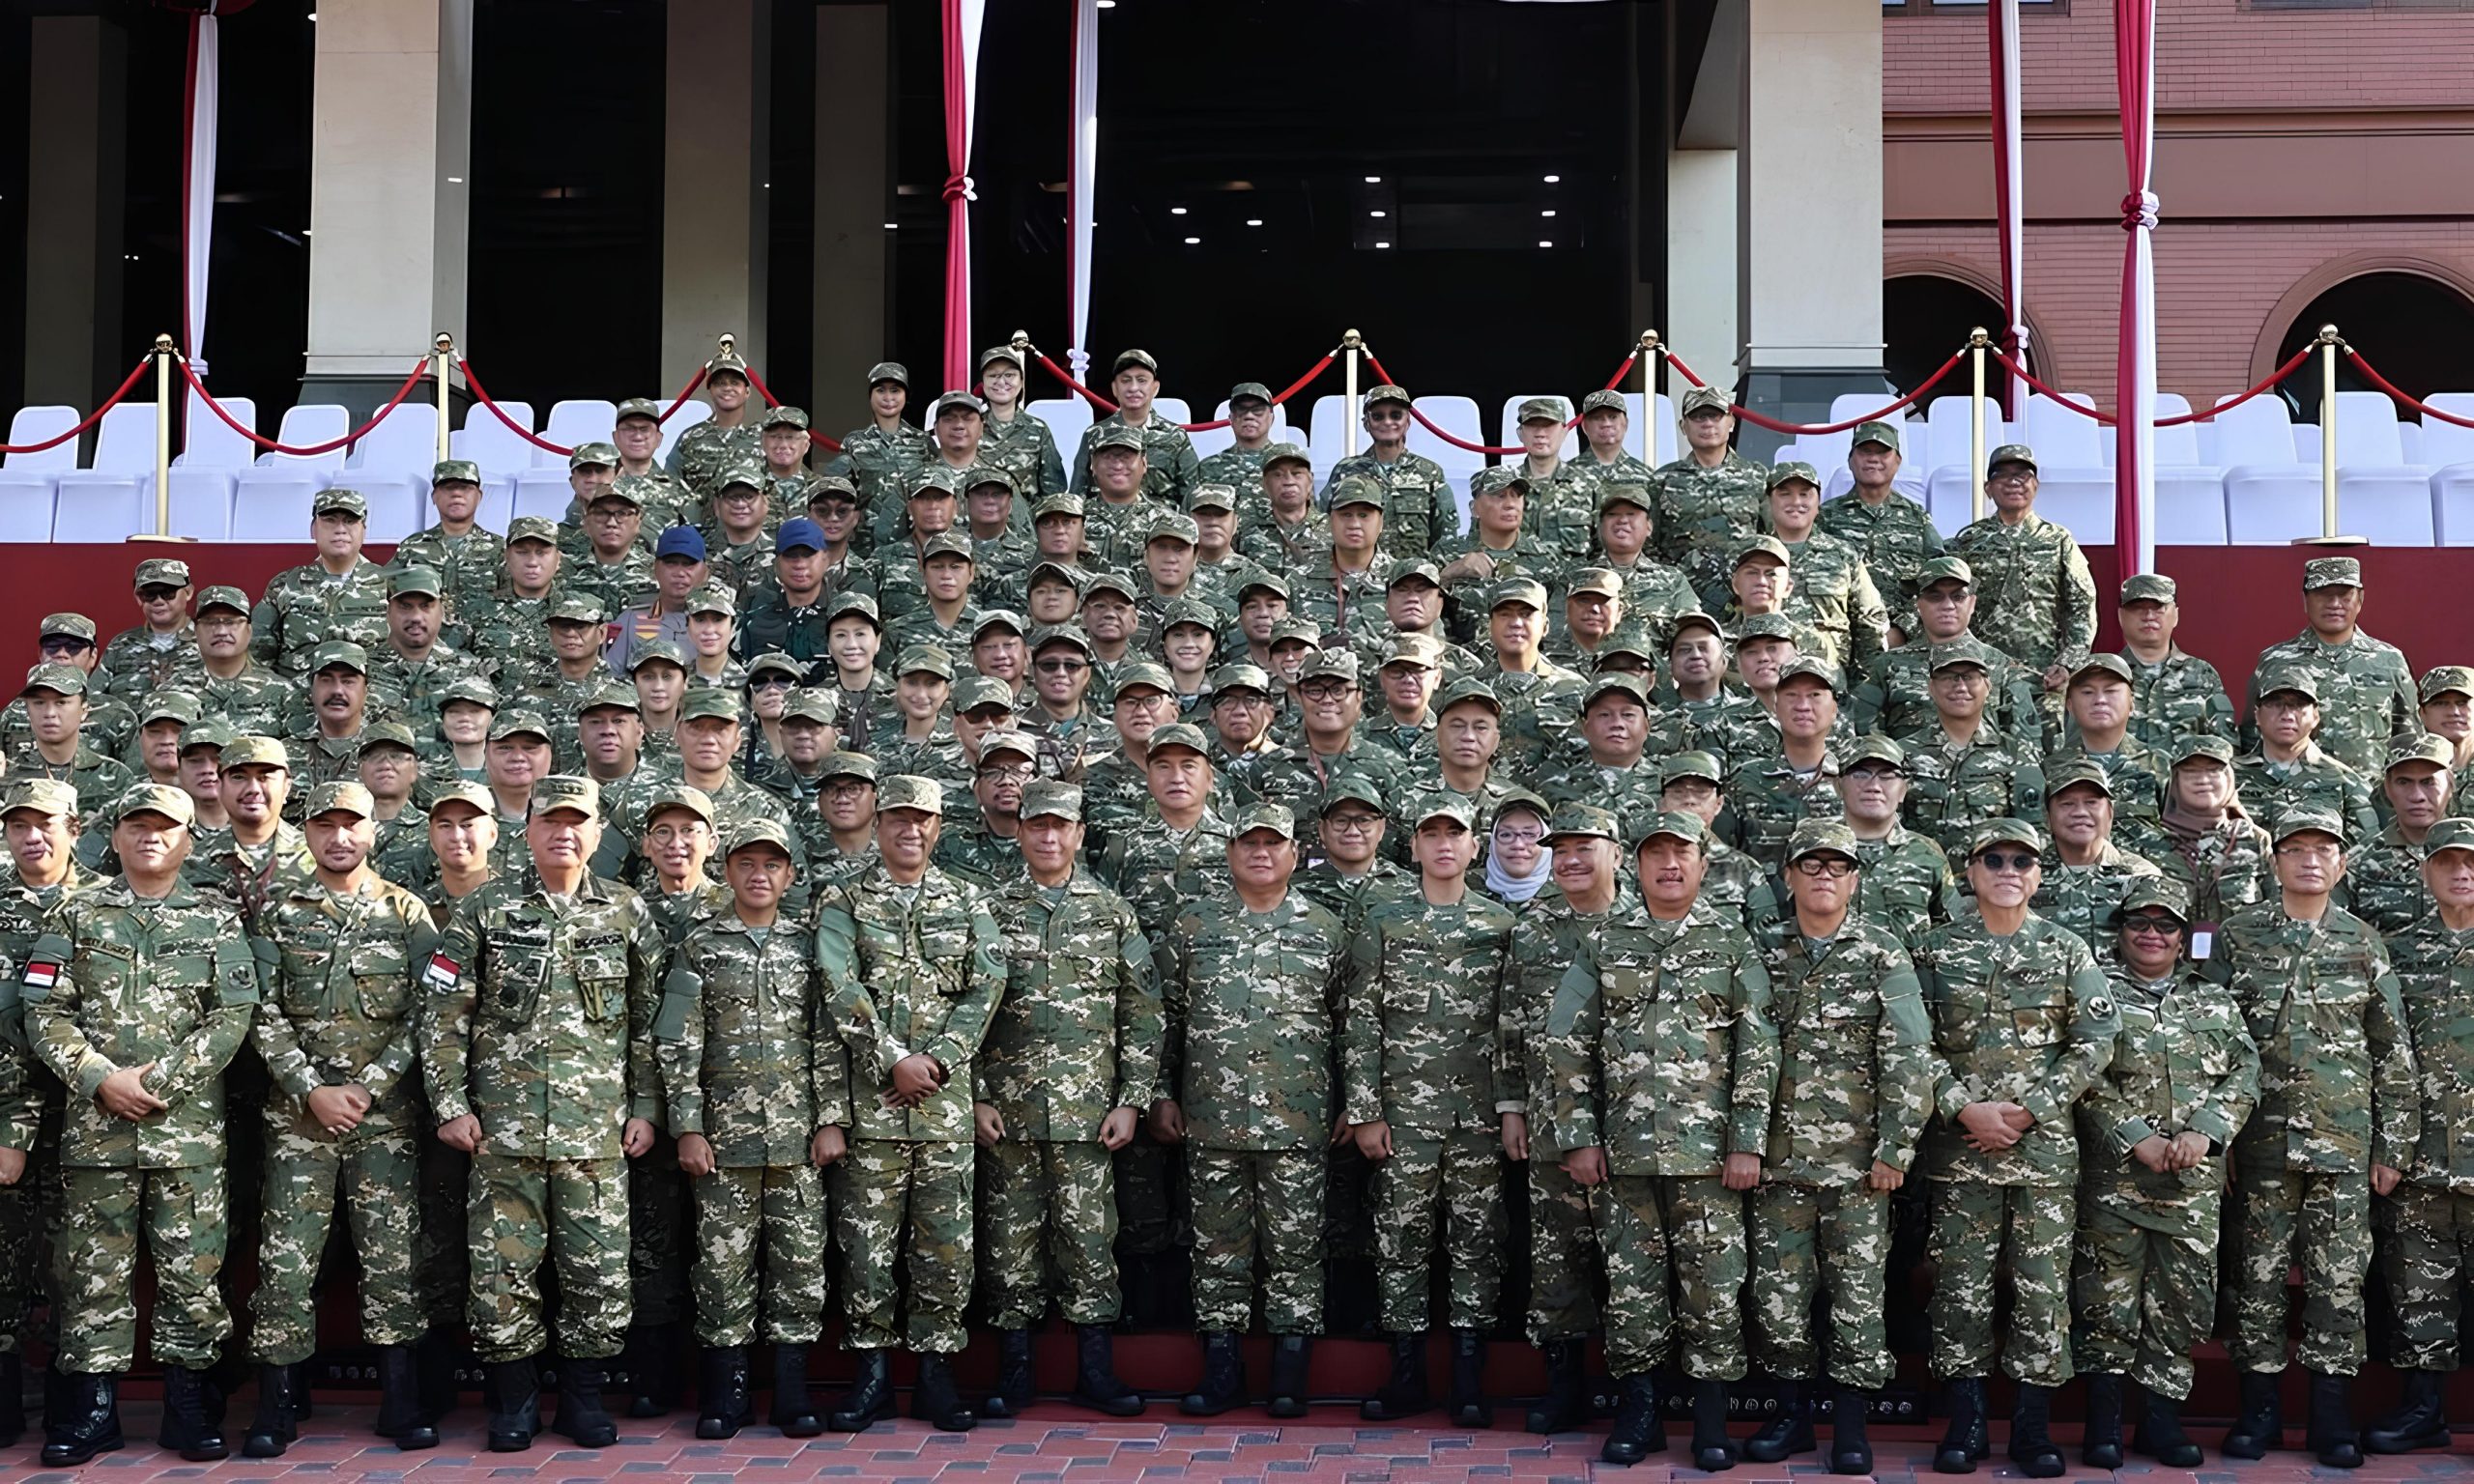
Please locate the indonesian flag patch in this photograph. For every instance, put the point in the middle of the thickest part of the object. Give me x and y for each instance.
(443, 971)
(43, 974)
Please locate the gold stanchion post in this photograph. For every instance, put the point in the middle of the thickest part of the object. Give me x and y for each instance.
(166, 371)
(1351, 342)
(2330, 343)
(1977, 342)
(1649, 397)
(442, 350)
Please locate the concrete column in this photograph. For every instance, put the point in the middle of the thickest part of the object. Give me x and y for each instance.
(716, 160)
(853, 201)
(1701, 260)
(77, 105)
(390, 152)
(1808, 207)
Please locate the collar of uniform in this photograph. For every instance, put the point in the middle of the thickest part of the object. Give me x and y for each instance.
(182, 895)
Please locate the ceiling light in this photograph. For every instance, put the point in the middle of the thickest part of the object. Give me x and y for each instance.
(1176, 211)
(305, 231)
(1552, 179)
(1374, 214)
(1254, 221)
(1383, 245)
(1546, 245)
(1546, 214)
(1107, 4)
(1374, 180)
(455, 180)
(889, 226)
(1192, 241)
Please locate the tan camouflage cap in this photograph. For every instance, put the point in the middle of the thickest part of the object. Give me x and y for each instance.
(54, 797)
(2214, 749)
(207, 731)
(1778, 626)
(1142, 674)
(1329, 664)
(924, 660)
(339, 502)
(255, 752)
(1053, 572)
(383, 734)
(2009, 453)
(1957, 652)
(638, 407)
(794, 418)
(1065, 503)
(823, 487)
(979, 477)
(574, 608)
(1298, 627)
(977, 693)
(1442, 804)
(609, 695)
(1048, 798)
(1601, 582)
(1230, 680)
(520, 724)
(2308, 819)
(180, 706)
(1944, 569)
(1497, 479)
(908, 791)
(1873, 747)
(1355, 489)
(1212, 497)
(996, 618)
(1583, 821)
(709, 703)
(1813, 667)
(2148, 588)
(163, 799)
(2074, 772)
(1009, 743)
(847, 603)
(1792, 468)
(696, 801)
(339, 654)
(1286, 453)
(1116, 435)
(1615, 682)
(758, 830)
(948, 543)
(1189, 611)
(160, 572)
(1822, 836)
(223, 595)
(1627, 492)
(1071, 636)
(823, 707)
(2112, 665)
(1416, 652)
(2331, 572)
(1691, 619)
(1266, 815)
(773, 662)
(1003, 353)
(713, 598)
(1705, 398)
(459, 471)
(1265, 579)
(1544, 410)
(1693, 765)
(1349, 788)
(1524, 590)
(2446, 680)
(1760, 546)
(2160, 893)
(858, 765)
(2300, 679)
(417, 582)
(1387, 392)
(1605, 400)
(340, 796)
(1173, 525)
(468, 792)
(1468, 690)
(567, 791)
(2429, 748)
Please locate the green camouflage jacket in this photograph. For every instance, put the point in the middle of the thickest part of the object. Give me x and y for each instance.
(1077, 1033)
(1254, 1004)
(306, 606)
(909, 970)
(26, 1084)
(1854, 1057)
(1897, 538)
(2367, 695)
(2026, 1019)
(344, 1005)
(2182, 1064)
(2035, 601)
(747, 1059)
(2436, 979)
(1424, 1003)
(1418, 508)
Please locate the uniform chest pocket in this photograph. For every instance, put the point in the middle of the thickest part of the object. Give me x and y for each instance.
(306, 959)
(1844, 1022)
(517, 974)
(944, 941)
(382, 980)
(2039, 1014)
(601, 974)
(103, 967)
(1958, 1013)
(1406, 994)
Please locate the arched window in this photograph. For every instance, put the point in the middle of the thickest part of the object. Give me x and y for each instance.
(2412, 327)
(1925, 317)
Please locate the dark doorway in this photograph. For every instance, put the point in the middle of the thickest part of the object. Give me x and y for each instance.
(2413, 328)
(1925, 317)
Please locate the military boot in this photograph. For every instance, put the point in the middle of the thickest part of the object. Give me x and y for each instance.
(722, 1403)
(515, 1405)
(1095, 1375)
(933, 1399)
(399, 1401)
(12, 1399)
(1790, 1432)
(1469, 1405)
(581, 1415)
(434, 1357)
(651, 1371)
(869, 1399)
(84, 1421)
(1223, 1377)
(793, 1407)
(1710, 1451)
(1851, 1449)
(1405, 1394)
(274, 1427)
(1291, 1354)
(2100, 1443)
(1013, 1382)
(1566, 1403)
(1639, 1431)
(192, 1416)
(2262, 1423)
(1965, 1440)
(2160, 1434)
(2332, 1421)
(2031, 1444)
(2420, 1420)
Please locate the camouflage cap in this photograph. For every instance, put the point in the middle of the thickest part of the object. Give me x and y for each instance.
(820, 706)
(1760, 546)
(1700, 398)
(1266, 815)
(1442, 804)
(1190, 611)
(1386, 392)
(1467, 689)
(180, 706)
(533, 527)
(1417, 651)
(2155, 894)
(2009, 453)
(340, 796)
(1070, 635)
(518, 722)
(1544, 410)
(2213, 749)
(1284, 453)
(758, 830)
(2331, 572)
(998, 618)
(2112, 665)
(829, 486)
(221, 595)
(1605, 400)
(713, 598)
(1229, 679)
(173, 804)
(934, 480)
(1173, 525)
(207, 731)
(2004, 832)
(1138, 674)
(1778, 626)
(419, 581)
(1793, 469)
(1514, 797)
(2306, 820)
(1526, 590)
(378, 734)
(1603, 581)
(1615, 682)
(1355, 489)
(600, 455)
(1822, 836)
(1944, 569)
(339, 501)
(785, 416)
(472, 794)
(1254, 389)
(1329, 664)
(1010, 740)
(774, 662)
(1349, 788)
(2073, 772)
(2300, 679)
(889, 371)
(2451, 834)
(1049, 798)
(1116, 435)
(696, 801)
(1815, 667)
(1627, 492)
(57, 797)
(567, 791)
(924, 660)
(998, 353)
(1265, 579)
(1299, 627)
(1125, 359)
(1683, 766)
(1497, 479)
(162, 572)
(574, 608)
(2445, 680)
(705, 702)
(1876, 431)
(1066, 503)
(67, 626)
(1053, 572)
(979, 476)
(638, 407)
(2427, 748)
(1873, 747)
(1960, 651)
(1691, 619)
(658, 651)
(612, 694)
(1212, 497)
(249, 750)
(1185, 735)
(1673, 825)
(2148, 588)
(847, 764)
(957, 401)
(908, 791)
(977, 693)
(1630, 642)
(848, 602)
(1582, 821)
(339, 654)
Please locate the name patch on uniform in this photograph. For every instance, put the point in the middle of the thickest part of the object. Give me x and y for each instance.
(443, 971)
(43, 974)
(600, 940)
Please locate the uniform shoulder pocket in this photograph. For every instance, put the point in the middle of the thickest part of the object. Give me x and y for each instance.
(45, 959)
(678, 992)
(236, 972)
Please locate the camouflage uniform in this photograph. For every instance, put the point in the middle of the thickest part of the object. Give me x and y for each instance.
(139, 662)
(1171, 469)
(1894, 699)
(878, 465)
(99, 781)
(30, 1107)
(746, 1061)
(1897, 537)
(539, 1025)
(467, 568)
(2024, 1019)
(2144, 1271)
(2365, 695)
(1834, 594)
(120, 981)
(1076, 1036)
(1024, 448)
(2336, 1094)
(1418, 509)
(2084, 898)
(1907, 885)
(1254, 1004)
(2383, 884)
(2430, 1214)
(1770, 798)
(2035, 600)
(1671, 1019)
(1417, 1054)
(907, 971)
(1705, 510)
(344, 1008)
(2314, 780)
(256, 703)
(2179, 696)
(306, 606)
(1952, 789)
(1855, 1086)
(702, 451)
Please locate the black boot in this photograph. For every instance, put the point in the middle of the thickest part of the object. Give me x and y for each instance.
(1850, 1450)
(869, 1399)
(581, 1415)
(934, 1401)
(1566, 1403)
(515, 1405)
(1405, 1394)
(1790, 1432)
(276, 1423)
(2160, 1434)
(2262, 1423)
(1710, 1451)
(793, 1408)
(1095, 1375)
(651, 1386)
(436, 1357)
(1469, 1405)
(2420, 1420)
(2100, 1443)
(1639, 1431)
(1013, 1390)
(86, 1420)
(12, 1399)
(192, 1416)
(2031, 1444)
(1965, 1440)
(1290, 1354)
(2332, 1421)
(1223, 1377)
(722, 1403)
(399, 1401)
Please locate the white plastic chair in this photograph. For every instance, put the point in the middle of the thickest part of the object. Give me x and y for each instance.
(573, 422)
(2271, 496)
(690, 412)
(2380, 493)
(2449, 451)
(543, 492)
(1211, 441)
(308, 426)
(1457, 416)
(30, 482)
(1332, 418)
(1950, 431)
(271, 499)
(114, 498)
(1066, 418)
(205, 472)
(491, 444)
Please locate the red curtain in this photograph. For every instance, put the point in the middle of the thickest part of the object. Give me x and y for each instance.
(2135, 367)
(962, 72)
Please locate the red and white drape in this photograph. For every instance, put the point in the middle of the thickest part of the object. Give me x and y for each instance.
(961, 29)
(1082, 173)
(2009, 192)
(2135, 369)
(200, 94)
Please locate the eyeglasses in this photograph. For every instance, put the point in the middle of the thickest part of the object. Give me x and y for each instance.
(1009, 775)
(1872, 775)
(1389, 415)
(1519, 837)
(2164, 927)
(1834, 867)
(2010, 476)
(773, 680)
(2002, 860)
(1351, 825)
(842, 788)
(1325, 690)
(1062, 666)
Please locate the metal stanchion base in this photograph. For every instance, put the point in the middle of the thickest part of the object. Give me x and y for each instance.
(2330, 541)
(149, 537)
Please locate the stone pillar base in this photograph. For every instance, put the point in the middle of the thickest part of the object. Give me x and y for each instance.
(1799, 394)
(363, 393)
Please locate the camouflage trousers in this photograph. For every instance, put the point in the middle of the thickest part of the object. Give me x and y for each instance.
(2323, 1223)
(2144, 1286)
(1048, 1222)
(1251, 1203)
(659, 1233)
(1807, 1240)
(902, 1212)
(1563, 1252)
(571, 1214)
(442, 1256)
(180, 1217)
(1973, 1226)
(1681, 1236)
(759, 1232)
(2427, 1257)
(1348, 1205)
(1449, 1185)
(379, 1176)
(30, 1214)
(1150, 1196)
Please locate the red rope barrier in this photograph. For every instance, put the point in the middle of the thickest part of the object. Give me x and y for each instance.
(689, 391)
(2110, 420)
(1108, 407)
(2389, 387)
(110, 402)
(310, 450)
(1462, 444)
(1800, 429)
(482, 395)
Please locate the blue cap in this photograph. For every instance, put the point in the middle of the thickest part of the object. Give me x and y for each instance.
(681, 541)
(799, 532)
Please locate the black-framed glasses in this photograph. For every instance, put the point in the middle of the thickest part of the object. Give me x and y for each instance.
(1325, 690)
(1351, 825)
(1834, 867)
(2155, 923)
(771, 681)
(2007, 860)
(1062, 666)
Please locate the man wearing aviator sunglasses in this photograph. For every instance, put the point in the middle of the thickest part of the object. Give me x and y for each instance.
(1417, 507)
(2023, 1024)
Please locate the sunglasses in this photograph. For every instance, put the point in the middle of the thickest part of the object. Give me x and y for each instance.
(772, 681)
(2005, 860)
(1061, 667)
(2145, 923)
(1831, 867)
